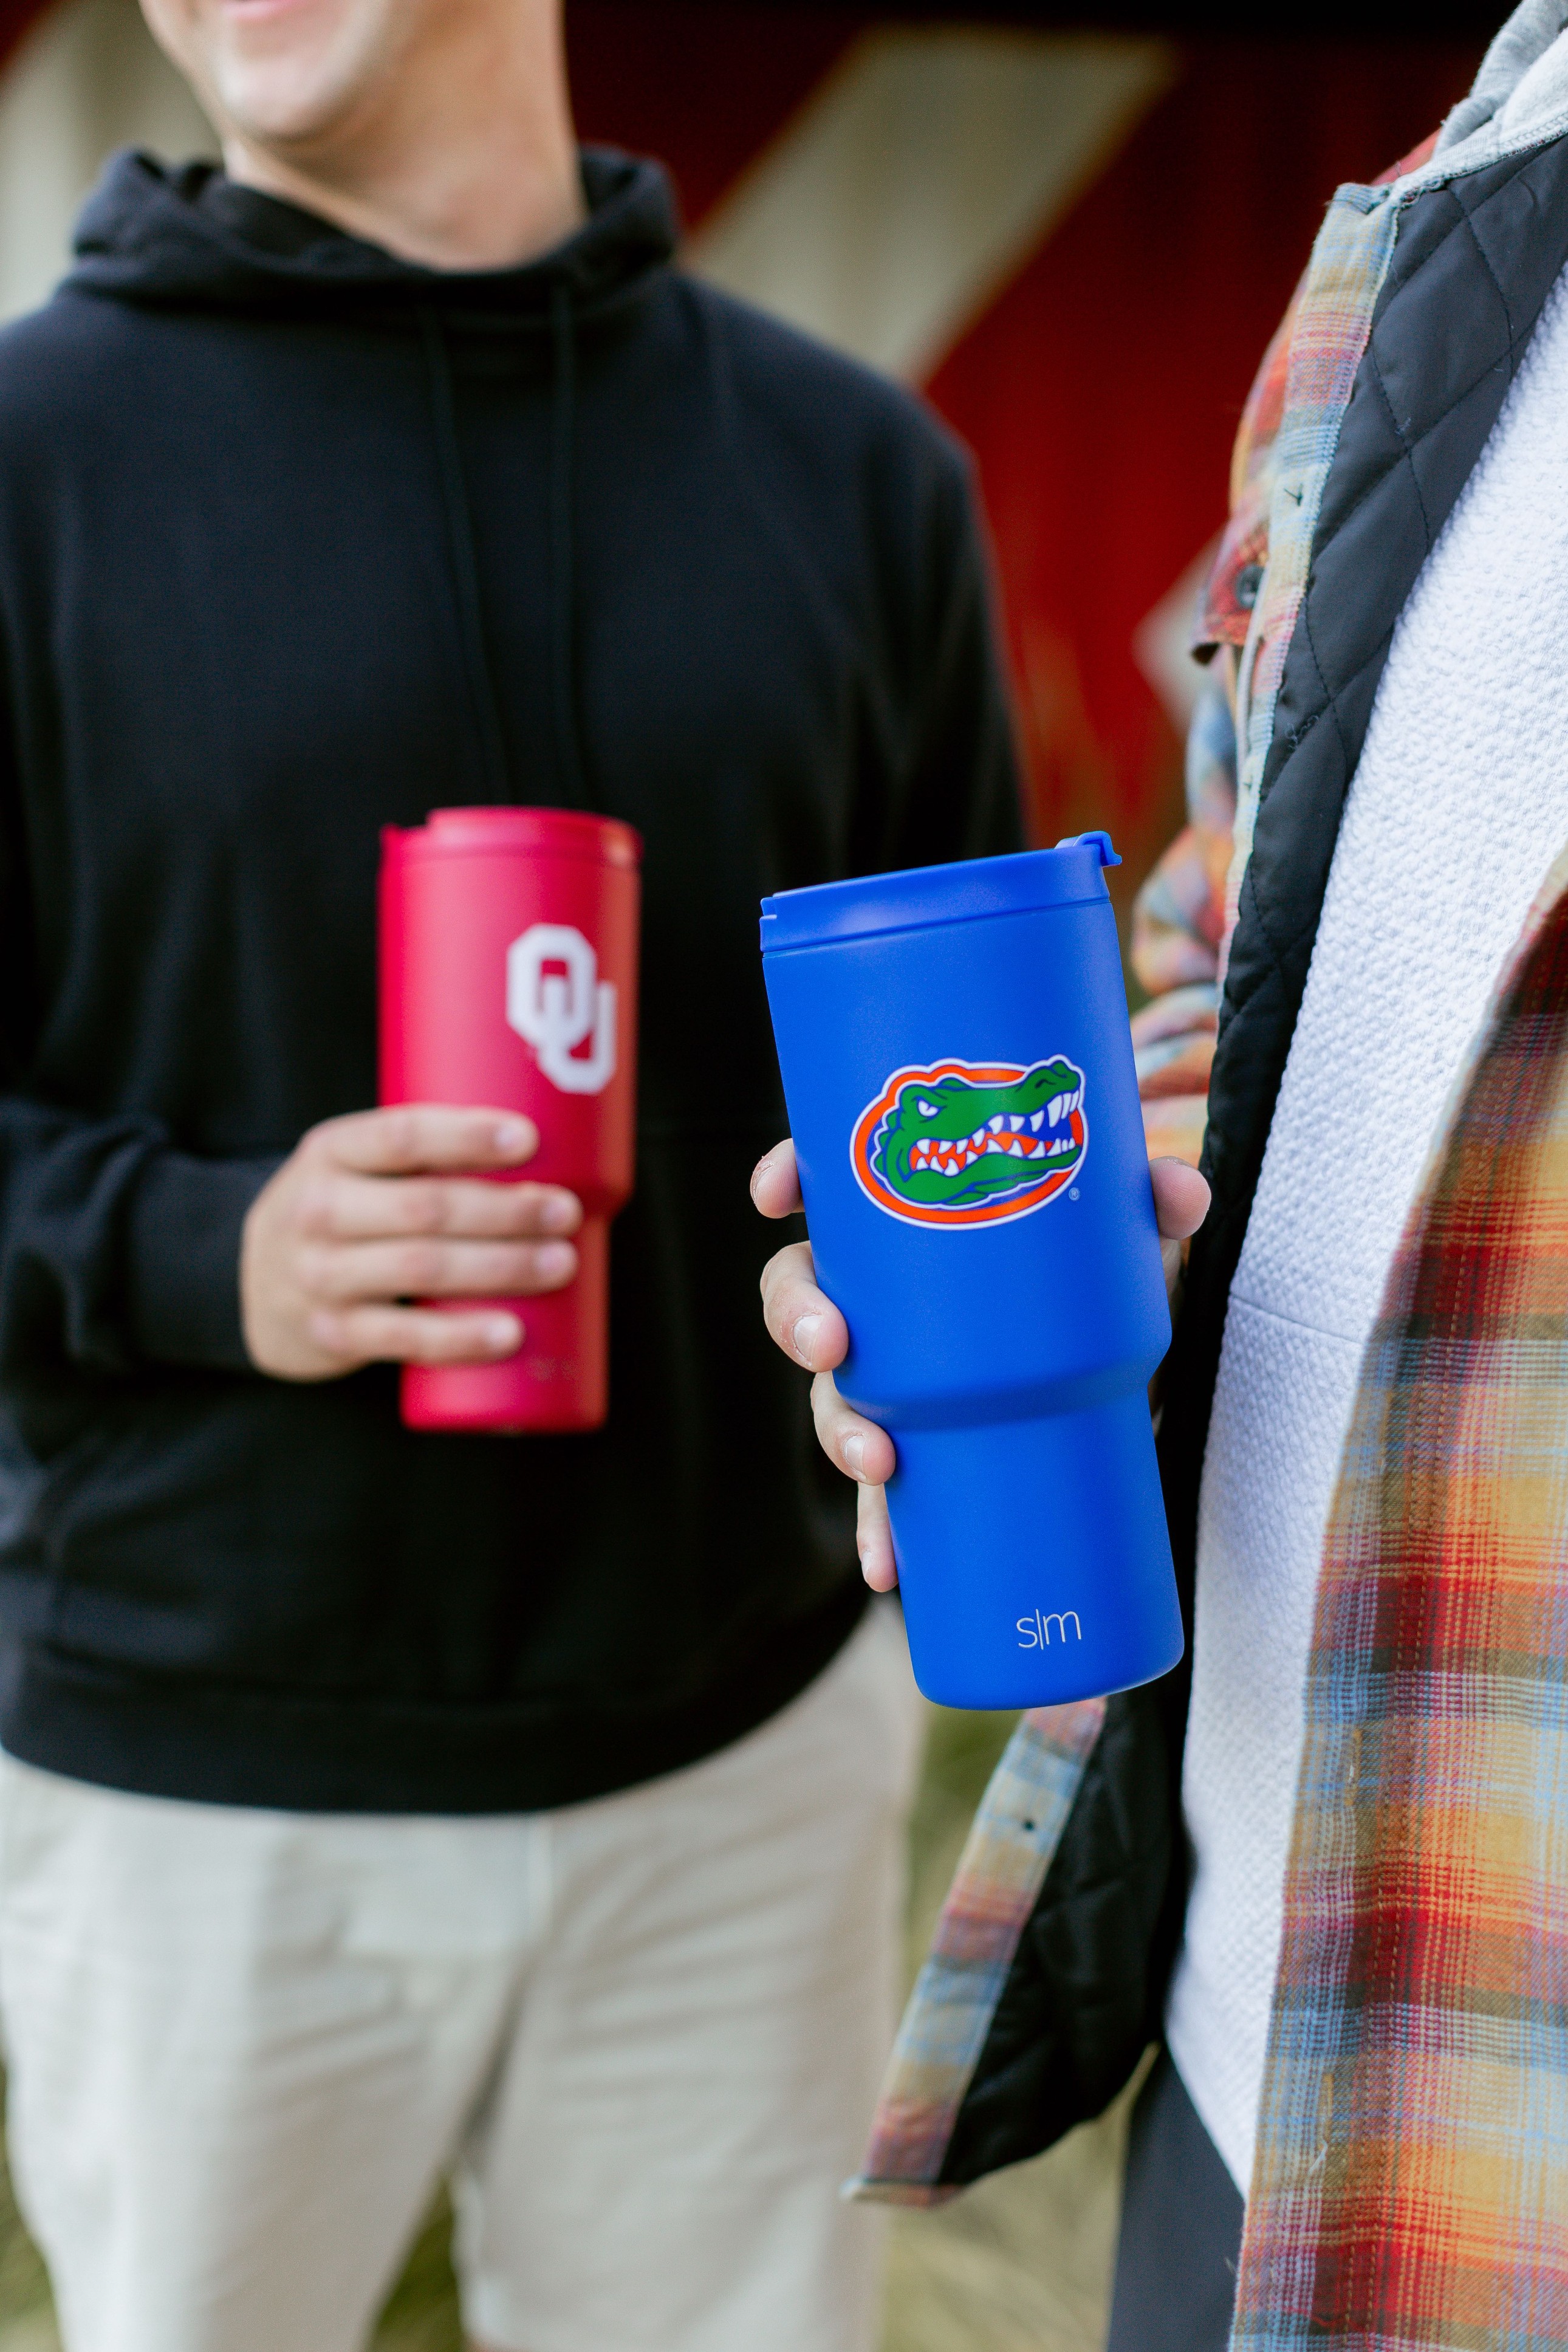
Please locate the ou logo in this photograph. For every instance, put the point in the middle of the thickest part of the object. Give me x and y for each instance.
(558, 1010)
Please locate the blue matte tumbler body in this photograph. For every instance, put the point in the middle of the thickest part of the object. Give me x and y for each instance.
(960, 1075)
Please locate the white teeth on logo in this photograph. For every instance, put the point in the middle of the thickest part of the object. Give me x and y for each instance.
(952, 1158)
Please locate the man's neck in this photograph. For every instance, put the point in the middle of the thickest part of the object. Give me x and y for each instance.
(490, 185)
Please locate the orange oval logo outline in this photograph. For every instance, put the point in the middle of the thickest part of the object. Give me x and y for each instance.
(1023, 1203)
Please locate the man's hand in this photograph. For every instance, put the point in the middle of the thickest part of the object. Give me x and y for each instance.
(389, 1205)
(809, 1329)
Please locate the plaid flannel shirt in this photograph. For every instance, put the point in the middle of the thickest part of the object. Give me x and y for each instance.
(1410, 2187)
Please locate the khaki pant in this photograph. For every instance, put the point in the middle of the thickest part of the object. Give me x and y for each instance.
(643, 2034)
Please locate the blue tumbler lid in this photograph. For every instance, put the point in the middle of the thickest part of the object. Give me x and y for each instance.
(1071, 872)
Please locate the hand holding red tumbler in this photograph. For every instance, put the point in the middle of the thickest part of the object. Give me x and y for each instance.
(508, 977)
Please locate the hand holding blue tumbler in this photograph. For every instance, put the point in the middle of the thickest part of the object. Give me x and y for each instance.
(959, 1076)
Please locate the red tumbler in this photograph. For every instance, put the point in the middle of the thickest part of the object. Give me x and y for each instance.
(508, 976)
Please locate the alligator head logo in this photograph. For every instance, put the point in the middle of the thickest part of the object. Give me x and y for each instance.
(971, 1143)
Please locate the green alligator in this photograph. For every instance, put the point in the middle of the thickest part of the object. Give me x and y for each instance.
(951, 1143)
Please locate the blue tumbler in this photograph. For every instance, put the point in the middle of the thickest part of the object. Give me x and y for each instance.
(958, 1066)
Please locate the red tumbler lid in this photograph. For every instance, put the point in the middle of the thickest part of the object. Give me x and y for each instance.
(537, 832)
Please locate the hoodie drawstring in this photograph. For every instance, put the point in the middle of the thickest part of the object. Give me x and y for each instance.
(482, 701)
(571, 780)
(563, 614)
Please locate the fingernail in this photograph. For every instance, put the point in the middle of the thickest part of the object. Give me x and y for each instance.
(513, 1135)
(854, 1454)
(554, 1260)
(802, 1339)
(503, 1334)
(558, 1216)
(758, 1170)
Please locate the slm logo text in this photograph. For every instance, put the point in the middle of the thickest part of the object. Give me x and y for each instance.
(1035, 1631)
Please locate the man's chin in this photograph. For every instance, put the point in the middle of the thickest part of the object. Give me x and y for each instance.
(283, 82)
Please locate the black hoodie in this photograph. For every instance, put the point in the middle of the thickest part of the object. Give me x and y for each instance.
(297, 540)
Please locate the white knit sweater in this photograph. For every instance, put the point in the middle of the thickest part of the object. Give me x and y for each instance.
(1458, 807)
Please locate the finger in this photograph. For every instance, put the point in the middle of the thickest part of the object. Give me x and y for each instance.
(416, 1136)
(347, 1206)
(776, 1181)
(874, 1540)
(805, 1324)
(861, 1449)
(383, 1271)
(1181, 1198)
(414, 1335)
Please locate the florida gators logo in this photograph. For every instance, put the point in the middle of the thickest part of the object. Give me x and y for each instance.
(971, 1143)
